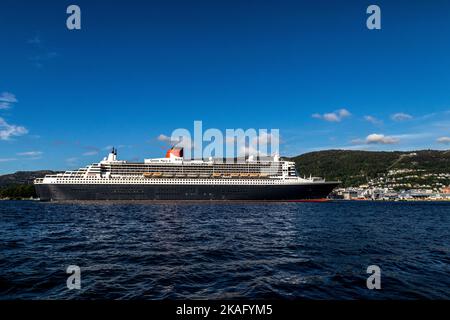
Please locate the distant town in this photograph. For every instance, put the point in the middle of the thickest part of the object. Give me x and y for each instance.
(400, 185)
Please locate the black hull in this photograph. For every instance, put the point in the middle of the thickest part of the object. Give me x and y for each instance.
(64, 192)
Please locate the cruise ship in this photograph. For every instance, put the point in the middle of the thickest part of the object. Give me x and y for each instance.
(176, 178)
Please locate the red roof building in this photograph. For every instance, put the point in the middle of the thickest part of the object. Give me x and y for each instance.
(446, 190)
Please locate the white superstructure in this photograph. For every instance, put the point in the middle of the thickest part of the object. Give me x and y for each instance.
(173, 169)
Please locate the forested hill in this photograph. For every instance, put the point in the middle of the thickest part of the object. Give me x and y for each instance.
(19, 185)
(357, 167)
(22, 177)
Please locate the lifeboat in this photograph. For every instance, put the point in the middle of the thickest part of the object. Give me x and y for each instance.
(157, 174)
(148, 174)
(254, 175)
(234, 175)
(244, 174)
(216, 175)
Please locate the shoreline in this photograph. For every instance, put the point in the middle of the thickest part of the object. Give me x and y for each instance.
(394, 200)
(215, 201)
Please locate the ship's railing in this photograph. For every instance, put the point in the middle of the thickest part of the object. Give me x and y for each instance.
(234, 175)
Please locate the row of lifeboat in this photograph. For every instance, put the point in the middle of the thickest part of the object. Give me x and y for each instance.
(201, 175)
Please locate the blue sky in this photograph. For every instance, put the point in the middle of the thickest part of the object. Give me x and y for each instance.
(139, 69)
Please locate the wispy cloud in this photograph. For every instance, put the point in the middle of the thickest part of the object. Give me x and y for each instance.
(443, 140)
(10, 130)
(163, 138)
(90, 153)
(7, 159)
(7, 99)
(335, 116)
(40, 59)
(120, 146)
(30, 153)
(373, 120)
(72, 161)
(400, 116)
(41, 54)
(182, 141)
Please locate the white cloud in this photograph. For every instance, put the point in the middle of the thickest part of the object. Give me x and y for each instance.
(331, 117)
(375, 138)
(400, 116)
(30, 153)
(335, 116)
(164, 138)
(444, 140)
(10, 130)
(343, 113)
(372, 120)
(182, 141)
(7, 159)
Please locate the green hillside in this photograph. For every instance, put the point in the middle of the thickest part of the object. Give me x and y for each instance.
(20, 184)
(357, 167)
(22, 177)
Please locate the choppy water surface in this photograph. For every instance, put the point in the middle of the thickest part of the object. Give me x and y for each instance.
(209, 251)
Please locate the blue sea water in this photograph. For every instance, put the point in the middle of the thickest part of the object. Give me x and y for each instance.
(225, 251)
